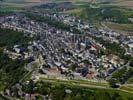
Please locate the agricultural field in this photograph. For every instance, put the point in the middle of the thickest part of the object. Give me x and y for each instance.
(125, 3)
(120, 27)
(130, 81)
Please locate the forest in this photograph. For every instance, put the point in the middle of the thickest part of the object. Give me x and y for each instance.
(11, 71)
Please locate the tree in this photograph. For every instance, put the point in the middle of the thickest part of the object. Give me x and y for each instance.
(116, 96)
(43, 88)
(131, 63)
(29, 88)
(77, 97)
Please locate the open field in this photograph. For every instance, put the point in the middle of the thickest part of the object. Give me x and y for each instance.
(88, 84)
(127, 88)
(125, 3)
(130, 81)
(120, 27)
(80, 82)
(57, 90)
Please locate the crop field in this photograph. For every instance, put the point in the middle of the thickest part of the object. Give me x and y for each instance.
(125, 3)
(122, 27)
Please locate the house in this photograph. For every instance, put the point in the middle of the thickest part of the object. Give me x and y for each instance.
(68, 91)
(90, 75)
(130, 44)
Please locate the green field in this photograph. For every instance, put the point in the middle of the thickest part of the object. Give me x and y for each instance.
(56, 90)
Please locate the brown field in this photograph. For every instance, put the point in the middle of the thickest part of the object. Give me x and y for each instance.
(35, 0)
(125, 3)
(122, 28)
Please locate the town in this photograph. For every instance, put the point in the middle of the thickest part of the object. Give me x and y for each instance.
(78, 51)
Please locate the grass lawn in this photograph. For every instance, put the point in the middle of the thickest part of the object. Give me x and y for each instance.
(130, 81)
(127, 88)
(73, 81)
(1, 86)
